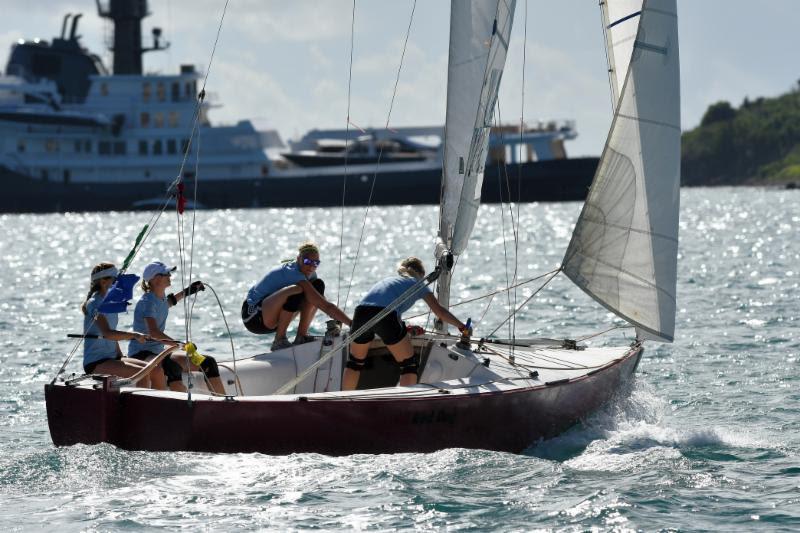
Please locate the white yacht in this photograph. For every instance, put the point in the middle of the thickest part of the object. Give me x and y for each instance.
(74, 137)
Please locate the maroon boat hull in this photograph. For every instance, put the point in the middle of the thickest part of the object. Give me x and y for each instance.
(503, 421)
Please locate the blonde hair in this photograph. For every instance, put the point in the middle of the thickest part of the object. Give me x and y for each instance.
(94, 286)
(308, 247)
(411, 267)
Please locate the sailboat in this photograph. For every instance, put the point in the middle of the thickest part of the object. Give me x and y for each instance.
(495, 394)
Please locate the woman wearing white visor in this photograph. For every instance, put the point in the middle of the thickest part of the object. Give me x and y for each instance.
(101, 352)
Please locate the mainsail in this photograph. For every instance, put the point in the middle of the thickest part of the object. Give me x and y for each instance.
(624, 247)
(479, 36)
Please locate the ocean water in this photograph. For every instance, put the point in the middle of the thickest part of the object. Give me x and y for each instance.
(707, 437)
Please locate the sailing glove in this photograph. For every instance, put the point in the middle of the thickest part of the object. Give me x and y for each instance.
(193, 288)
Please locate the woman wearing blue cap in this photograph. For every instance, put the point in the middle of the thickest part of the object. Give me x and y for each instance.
(101, 352)
(150, 317)
(285, 291)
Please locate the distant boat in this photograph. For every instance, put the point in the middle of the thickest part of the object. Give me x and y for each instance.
(78, 138)
(497, 394)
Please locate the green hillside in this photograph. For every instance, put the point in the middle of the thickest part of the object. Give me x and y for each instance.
(758, 143)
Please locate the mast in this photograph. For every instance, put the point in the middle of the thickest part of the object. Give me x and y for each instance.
(479, 35)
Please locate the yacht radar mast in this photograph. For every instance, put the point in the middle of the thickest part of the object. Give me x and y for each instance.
(127, 16)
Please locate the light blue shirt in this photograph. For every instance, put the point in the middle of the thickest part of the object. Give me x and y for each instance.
(390, 289)
(97, 349)
(276, 279)
(148, 306)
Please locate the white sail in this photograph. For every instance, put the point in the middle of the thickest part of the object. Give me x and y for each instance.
(621, 20)
(479, 34)
(624, 247)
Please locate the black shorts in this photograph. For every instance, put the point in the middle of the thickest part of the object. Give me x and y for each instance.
(89, 369)
(251, 318)
(251, 315)
(172, 369)
(390, 328)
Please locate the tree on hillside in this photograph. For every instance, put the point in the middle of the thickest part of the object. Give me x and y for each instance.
(718, 112)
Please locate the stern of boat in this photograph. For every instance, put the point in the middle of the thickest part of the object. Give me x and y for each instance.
(82, 414)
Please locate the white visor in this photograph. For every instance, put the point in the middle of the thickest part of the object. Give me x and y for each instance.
(107, 273)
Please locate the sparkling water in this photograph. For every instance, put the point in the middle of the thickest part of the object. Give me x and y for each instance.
(707, 437)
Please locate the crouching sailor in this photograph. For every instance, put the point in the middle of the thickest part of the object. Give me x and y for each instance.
(285, 291)
(150, 317)
(391, 329)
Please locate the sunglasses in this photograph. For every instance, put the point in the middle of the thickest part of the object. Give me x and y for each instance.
(311, 262)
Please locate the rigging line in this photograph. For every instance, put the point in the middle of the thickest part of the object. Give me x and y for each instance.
(610, 67)
(502, 226)
(380, 153)
(346, 153)
(519, 164)
(188, 316)
(514, 226)
(593, 335)
(526, 301)
(498, 291)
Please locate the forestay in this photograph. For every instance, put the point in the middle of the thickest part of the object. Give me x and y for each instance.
(479, 35)
(624, 247)
(621, 18)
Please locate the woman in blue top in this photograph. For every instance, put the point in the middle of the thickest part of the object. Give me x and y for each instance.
(391, 328)
(102, 355)
(150, 317)
(293, 287)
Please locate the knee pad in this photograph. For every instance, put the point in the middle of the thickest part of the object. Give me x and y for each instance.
(319, 285)
(356, 364)
(209, 367)
(409, 366)
(172, 370)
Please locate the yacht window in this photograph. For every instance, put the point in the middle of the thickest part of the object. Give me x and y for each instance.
(176, 91)
(66, 176)
(142, 147)
(157, 148)
(78, 146)
(162, 91)
(188, 90)
(87, 147)
(172, 146)
(158, 120)
(173, 119)
(120, 148)
(51, 145)
(144, 120)
(104, 148)
(146, 91)
(104, 89)
(20, 146)
(44, 174)
(184, 146)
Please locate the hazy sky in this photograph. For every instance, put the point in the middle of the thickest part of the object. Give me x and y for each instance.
(284, 64)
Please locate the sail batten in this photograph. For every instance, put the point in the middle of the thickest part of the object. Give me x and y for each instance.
(623, 251)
